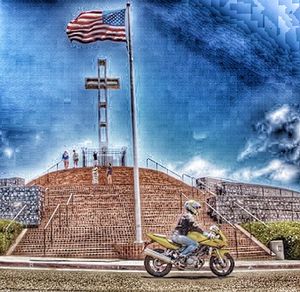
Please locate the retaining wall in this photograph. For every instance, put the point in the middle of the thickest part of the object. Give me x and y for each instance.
(267, 203)
(12, 199)
(13, 181)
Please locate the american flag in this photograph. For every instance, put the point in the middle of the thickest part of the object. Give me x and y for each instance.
(91, 26)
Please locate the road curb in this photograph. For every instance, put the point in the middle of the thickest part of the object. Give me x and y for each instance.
(129, 267)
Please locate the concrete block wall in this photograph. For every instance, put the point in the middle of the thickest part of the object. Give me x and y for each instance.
(223, 187)
(268, 208)
(12, 199)
(265, 202)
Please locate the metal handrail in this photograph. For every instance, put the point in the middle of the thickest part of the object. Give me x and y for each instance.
(47, 171)
(10, 223)
(14, 219)
(56, 164)
(162, 166)
(51, 218)
(51, 230)
(70, 199)
(211, 207)
(191, 177)
(253, 216)
(209, 191)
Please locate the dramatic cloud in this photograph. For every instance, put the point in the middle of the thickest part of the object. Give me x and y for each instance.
(278, 134)
(274, 171)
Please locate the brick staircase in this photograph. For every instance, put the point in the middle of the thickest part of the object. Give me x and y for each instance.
(99, 222)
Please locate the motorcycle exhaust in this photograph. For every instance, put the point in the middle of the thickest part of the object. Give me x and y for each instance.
(157, 255)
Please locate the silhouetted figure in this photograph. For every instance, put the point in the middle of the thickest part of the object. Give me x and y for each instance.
(109, 174)
(95, 158)
(75, 158)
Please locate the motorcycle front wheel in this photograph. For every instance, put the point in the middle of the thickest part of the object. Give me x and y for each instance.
(220, 268)
(155, 267)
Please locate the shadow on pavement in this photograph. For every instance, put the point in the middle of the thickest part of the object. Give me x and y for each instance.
(187, 277)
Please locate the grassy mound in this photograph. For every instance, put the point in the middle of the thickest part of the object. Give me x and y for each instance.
(289, 232)
(7, 238)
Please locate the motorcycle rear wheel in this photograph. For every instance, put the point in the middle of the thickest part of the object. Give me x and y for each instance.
(218, 268)
(155, 267)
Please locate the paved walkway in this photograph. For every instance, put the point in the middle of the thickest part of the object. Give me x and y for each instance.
(115, 264)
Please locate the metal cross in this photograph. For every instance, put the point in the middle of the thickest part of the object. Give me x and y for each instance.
(102, 83)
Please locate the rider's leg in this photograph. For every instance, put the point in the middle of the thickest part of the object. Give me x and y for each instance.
(190, 244)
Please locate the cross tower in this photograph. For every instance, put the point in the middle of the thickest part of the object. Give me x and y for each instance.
(102, 83)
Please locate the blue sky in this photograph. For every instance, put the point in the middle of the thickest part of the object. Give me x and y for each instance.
(217, 86)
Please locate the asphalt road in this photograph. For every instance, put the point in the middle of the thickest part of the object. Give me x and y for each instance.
(57, 280)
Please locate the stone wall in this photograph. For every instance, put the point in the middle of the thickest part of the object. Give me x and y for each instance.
(267, 203)
(12, 199)
(11, 182)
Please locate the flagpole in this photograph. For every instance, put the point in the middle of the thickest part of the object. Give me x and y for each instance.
(137, 197)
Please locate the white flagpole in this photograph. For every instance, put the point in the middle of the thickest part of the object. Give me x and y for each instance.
(137, 197)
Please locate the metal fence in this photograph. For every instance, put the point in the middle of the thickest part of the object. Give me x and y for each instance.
(104, 155)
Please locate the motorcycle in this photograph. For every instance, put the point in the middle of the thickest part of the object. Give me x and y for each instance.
(212, 246)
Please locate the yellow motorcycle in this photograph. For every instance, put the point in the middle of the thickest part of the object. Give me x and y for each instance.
(212, 245)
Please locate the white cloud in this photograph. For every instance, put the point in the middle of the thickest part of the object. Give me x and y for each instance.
(275, 170)
(252, 147)
(199, 136)
(279, 116)
(297, 132)
(8, 152)
(199, 167)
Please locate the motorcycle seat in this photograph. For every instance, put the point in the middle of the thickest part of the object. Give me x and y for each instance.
(168, 239)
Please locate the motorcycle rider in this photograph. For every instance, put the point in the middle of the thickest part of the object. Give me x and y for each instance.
(185, 224)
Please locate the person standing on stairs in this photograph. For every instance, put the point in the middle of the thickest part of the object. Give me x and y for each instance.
(109, 173)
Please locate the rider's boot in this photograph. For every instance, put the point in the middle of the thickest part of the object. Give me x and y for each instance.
(180, 262)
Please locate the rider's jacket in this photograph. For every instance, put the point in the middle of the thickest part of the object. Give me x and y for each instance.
(187, 223)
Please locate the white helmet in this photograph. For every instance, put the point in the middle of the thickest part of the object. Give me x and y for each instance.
(192, 206)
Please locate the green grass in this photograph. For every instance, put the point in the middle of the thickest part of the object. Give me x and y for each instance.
(6, 239)
(289, 232)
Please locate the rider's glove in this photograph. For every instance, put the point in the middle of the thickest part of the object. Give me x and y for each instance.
(209, 235)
